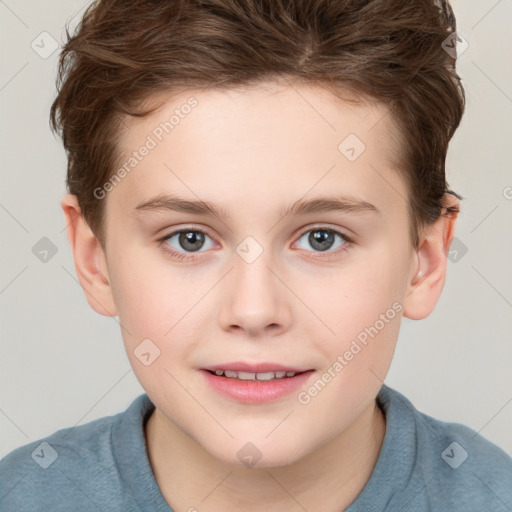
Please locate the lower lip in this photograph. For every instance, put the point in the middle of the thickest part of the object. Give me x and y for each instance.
(256, 391)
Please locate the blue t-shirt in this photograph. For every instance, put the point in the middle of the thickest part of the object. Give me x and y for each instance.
(424, 465)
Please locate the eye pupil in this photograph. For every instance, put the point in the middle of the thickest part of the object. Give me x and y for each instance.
(321, 239)
(191, 240)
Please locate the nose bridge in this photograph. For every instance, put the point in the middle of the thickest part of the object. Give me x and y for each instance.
(255, 285)
(255, 296)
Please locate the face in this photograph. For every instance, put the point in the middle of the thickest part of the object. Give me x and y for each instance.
(303, 269)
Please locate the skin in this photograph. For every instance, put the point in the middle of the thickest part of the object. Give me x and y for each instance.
(253, 151)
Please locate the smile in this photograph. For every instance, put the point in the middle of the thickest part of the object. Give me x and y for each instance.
(264, 376)
(248, 387)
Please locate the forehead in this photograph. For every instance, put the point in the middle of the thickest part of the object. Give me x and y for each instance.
(295, 109)
(289, 137)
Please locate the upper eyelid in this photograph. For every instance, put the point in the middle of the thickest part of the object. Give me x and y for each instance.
(319, 227)
(301, 231)
(185, 230)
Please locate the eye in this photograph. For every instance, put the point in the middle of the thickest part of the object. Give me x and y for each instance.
(189, 240)
(322, 239)
(183, 243)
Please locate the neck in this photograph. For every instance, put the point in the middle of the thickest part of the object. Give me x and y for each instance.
(190, 478)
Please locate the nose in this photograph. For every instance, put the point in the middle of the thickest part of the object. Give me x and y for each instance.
(254, 299)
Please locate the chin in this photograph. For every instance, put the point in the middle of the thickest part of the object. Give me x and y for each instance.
(259, 454)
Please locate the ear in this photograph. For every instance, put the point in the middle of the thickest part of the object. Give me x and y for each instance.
(90, 260)
(429, 274)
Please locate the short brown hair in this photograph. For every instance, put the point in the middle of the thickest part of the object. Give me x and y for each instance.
(390, 51)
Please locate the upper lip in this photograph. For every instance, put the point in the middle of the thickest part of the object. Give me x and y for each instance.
(254, 367)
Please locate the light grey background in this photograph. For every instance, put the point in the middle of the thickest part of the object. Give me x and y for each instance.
(61, 364)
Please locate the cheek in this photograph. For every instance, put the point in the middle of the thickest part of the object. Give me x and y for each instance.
(158, 304)
(139, 301)
(365, 315)
(148, 308)
(356, 295)
(151, 314)
(361, 306)
(151, 297)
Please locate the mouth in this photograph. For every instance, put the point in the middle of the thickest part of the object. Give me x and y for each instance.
(261, 385)
(254, 376)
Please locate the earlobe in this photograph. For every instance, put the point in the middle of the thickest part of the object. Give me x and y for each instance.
(430, 269)
(90, 259)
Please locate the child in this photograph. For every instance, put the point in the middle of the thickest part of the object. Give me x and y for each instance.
(301, 145)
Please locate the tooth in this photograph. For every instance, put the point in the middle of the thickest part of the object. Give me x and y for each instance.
(246, 375)
(265, 376)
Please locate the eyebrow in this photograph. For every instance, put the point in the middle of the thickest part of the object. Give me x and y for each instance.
(299, 207)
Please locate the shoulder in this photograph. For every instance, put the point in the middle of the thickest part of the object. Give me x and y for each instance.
(459, 466)
(73, 468)
(466, 464)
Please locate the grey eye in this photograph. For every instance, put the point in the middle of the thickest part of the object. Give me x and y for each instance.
(322, 239)
(189, 240)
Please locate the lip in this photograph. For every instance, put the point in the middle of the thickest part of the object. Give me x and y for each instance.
(255, 391)
(262, 367)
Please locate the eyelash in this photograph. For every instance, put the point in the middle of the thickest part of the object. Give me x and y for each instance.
(183, 256)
